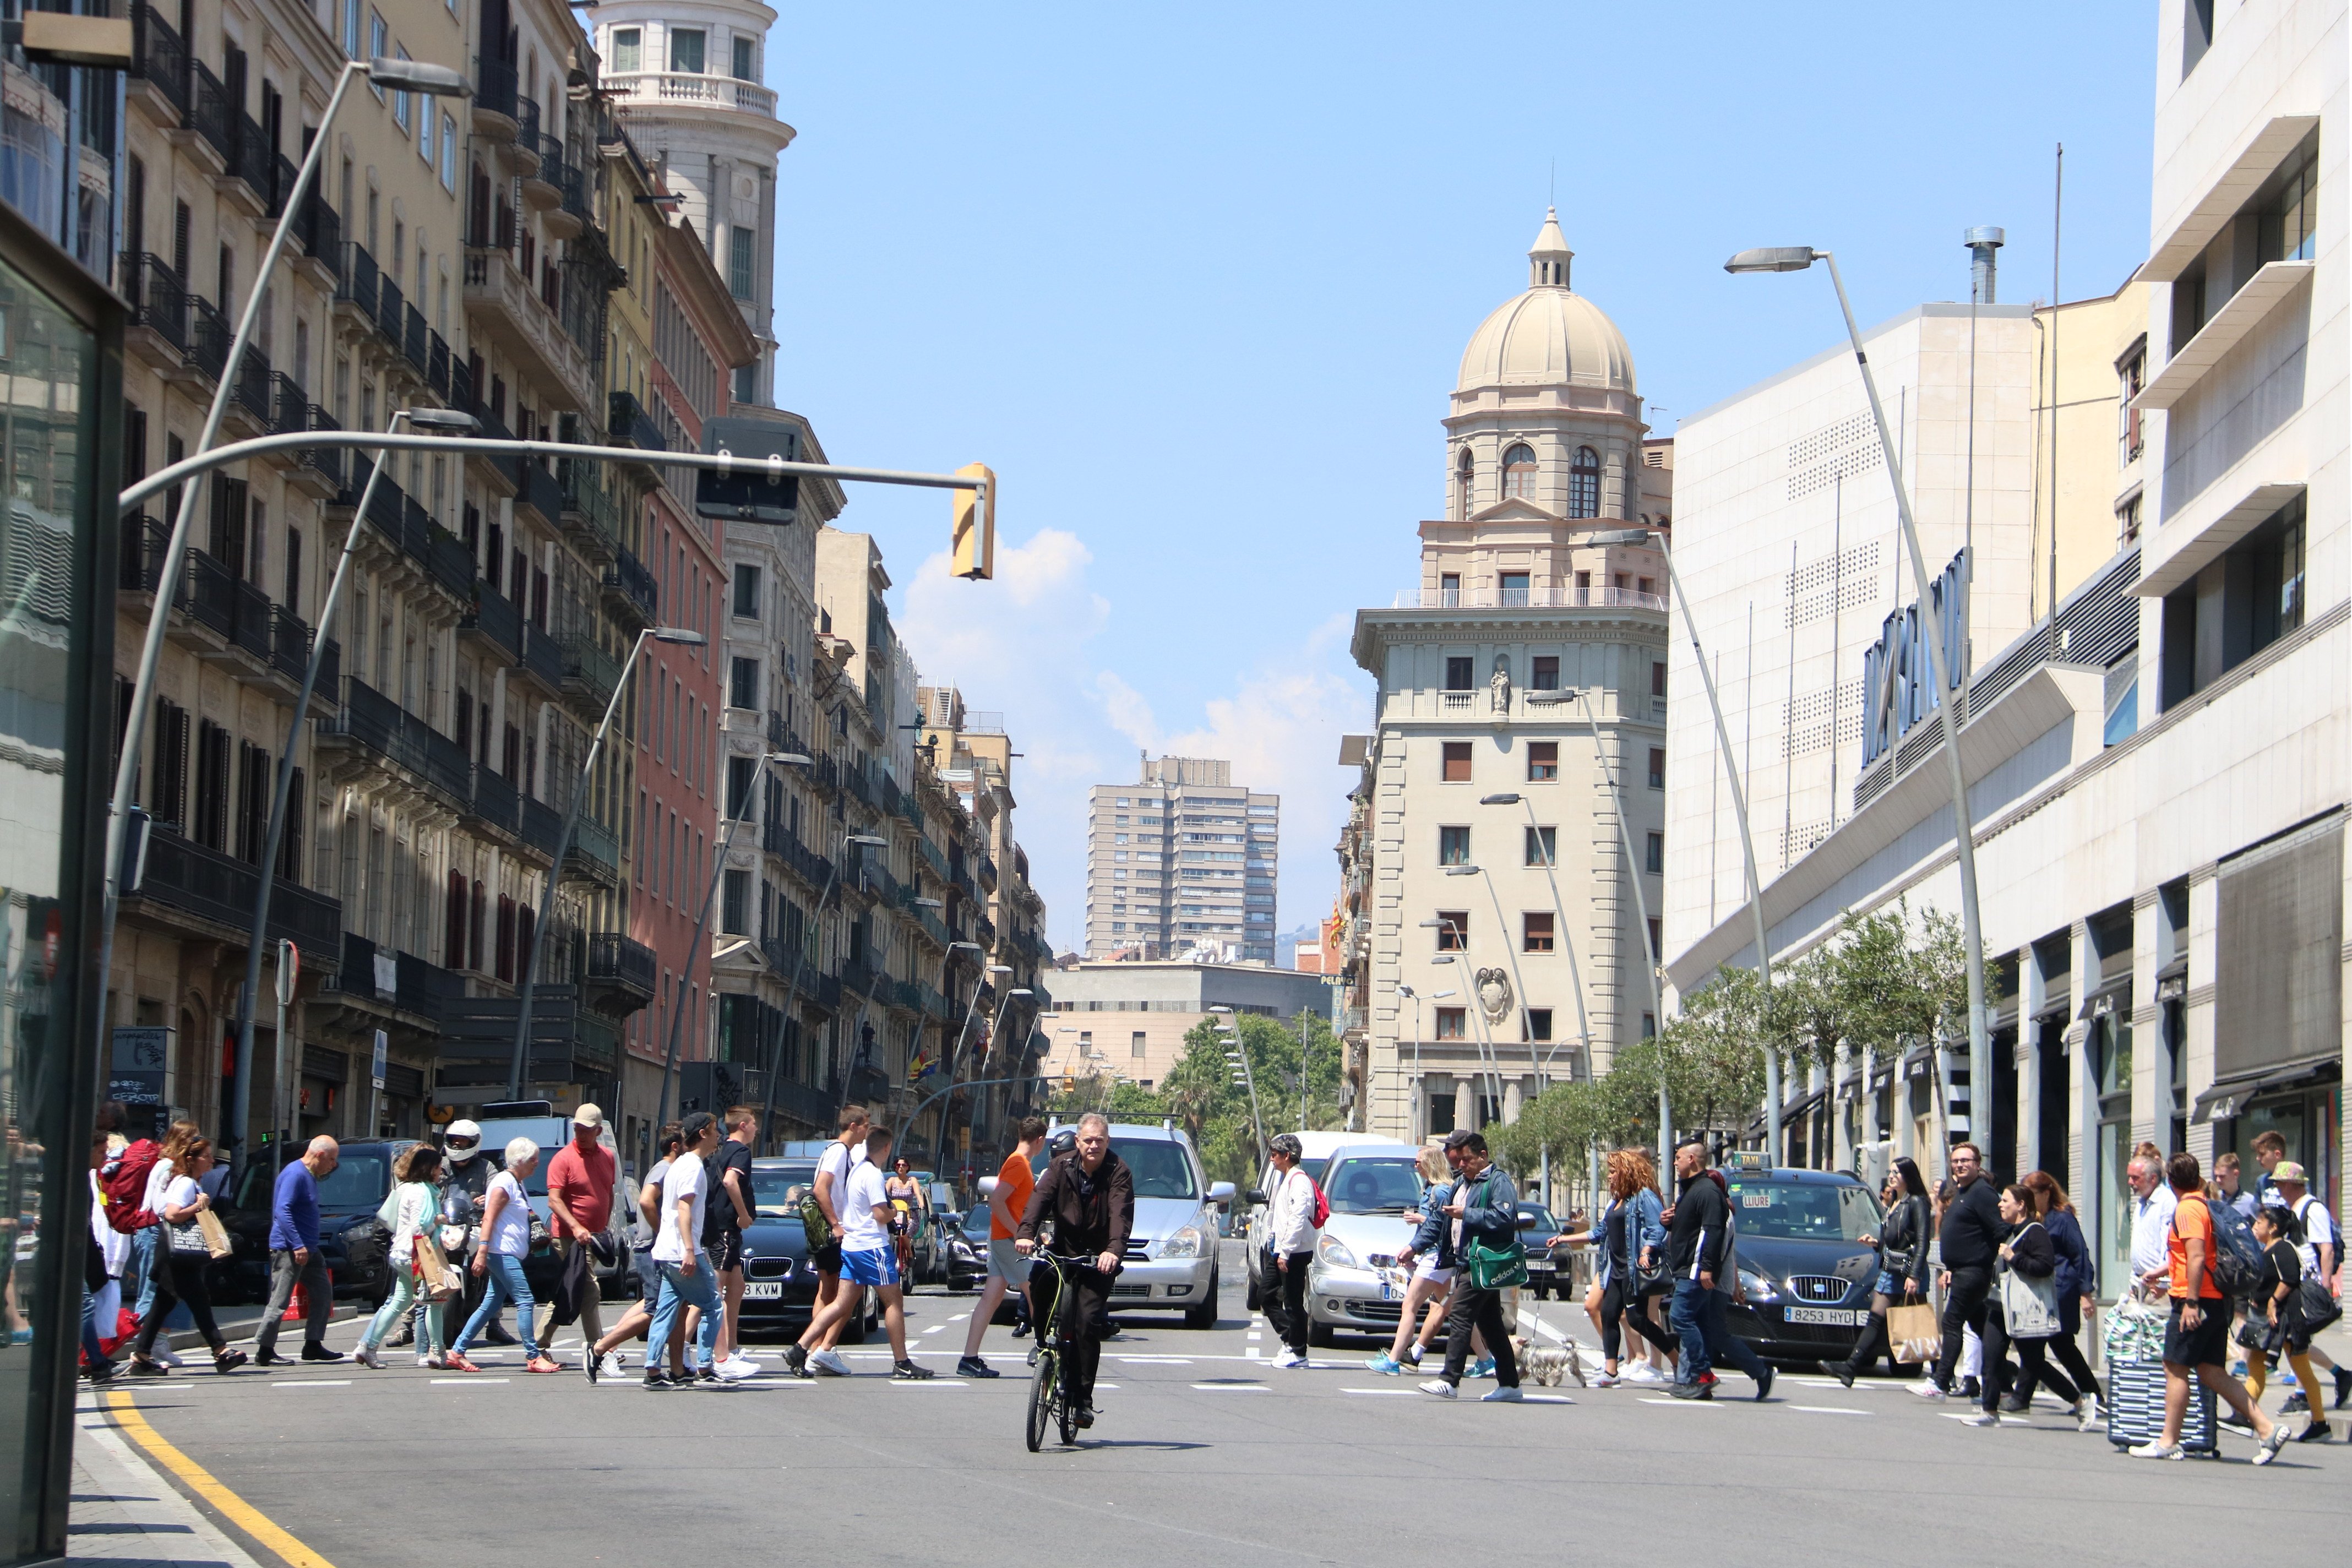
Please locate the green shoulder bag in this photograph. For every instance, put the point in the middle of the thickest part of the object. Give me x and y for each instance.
(1495, 1268)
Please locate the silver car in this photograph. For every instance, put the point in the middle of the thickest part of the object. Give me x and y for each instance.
(1375, 1193)
(1170, 1262)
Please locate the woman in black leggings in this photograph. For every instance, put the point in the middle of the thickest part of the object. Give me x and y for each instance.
(1629, 1228)
(2078, 1283)
(179, 1265)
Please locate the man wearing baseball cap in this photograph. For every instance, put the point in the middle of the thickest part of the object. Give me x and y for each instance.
(580, 1182)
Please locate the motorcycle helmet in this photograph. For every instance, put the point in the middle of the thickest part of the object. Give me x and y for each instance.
(1064, 1141)
(463, 1140)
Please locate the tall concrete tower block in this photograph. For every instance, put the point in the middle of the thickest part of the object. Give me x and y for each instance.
(687, 76)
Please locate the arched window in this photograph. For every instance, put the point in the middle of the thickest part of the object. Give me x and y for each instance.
(1464, 472)
(1584, 484)
(1520, 471)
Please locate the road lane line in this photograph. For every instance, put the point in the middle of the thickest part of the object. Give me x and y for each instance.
(468, 1382)
(1691, 1404)
(1233, 1387)
(310, 1383)
(1829, 1410)
(1407, 1393)
(1155, 1360)
(196, 1479)
(929, 1383)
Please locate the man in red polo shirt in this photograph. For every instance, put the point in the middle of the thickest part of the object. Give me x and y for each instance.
(580, 1202)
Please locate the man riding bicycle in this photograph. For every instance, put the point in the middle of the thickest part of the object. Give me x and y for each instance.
(1089, 1194)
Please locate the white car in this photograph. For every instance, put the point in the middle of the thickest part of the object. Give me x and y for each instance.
(1171, 1263)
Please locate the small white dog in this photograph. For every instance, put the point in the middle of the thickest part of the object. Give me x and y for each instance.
(1548, 1365)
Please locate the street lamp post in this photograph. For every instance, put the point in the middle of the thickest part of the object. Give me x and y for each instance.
(1003, 1005)
(800, 962)
(1490, 1067)
(1657, 539)
(678, 635)
(409, 76)
(1941, 673)
(1228, 1023)
(1511, 953)
(1633, 874)
(694, 948)
(241, 1078)
(1415, 1120)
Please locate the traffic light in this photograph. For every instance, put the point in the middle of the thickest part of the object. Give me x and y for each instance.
(974, 536)
(747, 494)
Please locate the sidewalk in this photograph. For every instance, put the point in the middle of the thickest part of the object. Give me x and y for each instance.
(126, 1515)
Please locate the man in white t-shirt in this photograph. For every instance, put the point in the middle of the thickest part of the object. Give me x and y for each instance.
(686, 1272)
(868, 1256)
(831, 1313)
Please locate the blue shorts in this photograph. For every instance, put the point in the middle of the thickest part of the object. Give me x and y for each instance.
(879, 1266)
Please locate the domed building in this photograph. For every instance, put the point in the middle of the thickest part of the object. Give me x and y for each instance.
(1501, 865)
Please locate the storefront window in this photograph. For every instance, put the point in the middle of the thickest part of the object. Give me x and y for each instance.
(2111, 1058)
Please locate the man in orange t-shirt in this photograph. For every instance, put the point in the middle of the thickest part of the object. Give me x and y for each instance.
(2196, 1339)
(1006, 1267)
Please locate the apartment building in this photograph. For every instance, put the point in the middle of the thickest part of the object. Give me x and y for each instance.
(1183, 858)
(1127, 1018)
(2162, 881)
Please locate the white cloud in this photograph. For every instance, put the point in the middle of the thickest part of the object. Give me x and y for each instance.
(1023, 643)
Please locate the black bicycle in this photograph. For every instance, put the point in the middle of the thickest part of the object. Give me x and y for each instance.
(1050, 1398)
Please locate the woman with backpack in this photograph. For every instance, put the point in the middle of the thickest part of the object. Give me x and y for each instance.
(1902, 1246)
(415, 1207)
(2026, 1258)
(2077, 1283)
(181, 1263)
(2274, 1319)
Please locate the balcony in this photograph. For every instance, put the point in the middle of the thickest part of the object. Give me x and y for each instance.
(595, 856)
(672, 88)
(588, 508)
(1527, 599)
(541, 188)
(323, 467)
(356, 277)
(622, 969)
(543, 659)
(590, 675)
(494, 100)
(157, 326)
(390, 311)
(380, 727)
(416, 344)
(496, 803)
(420, 988)
(495, 619)
(539, 491)
(438, 555)
(183, 876)
(630, 426)
(542, 826)
(209, 115)
(806, 864)
(160, 59)
(248, 182)
(630, 590)
(209, 336)
(253, 400)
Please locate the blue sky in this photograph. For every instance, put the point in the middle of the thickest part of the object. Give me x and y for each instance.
(1196, 283)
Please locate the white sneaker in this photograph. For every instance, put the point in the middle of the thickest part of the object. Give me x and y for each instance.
(1926, 1389)
(1441, 1388)
(1643, 1372)
(167, 1355)
(1980, 1418)
(2156, 1448)
(1290, 1358)
(830, 1361)
(735, 1368)
(1609, 1379)
(2086, 1413)
(1502, 1397)
(2270, 1446)
(616, 1363)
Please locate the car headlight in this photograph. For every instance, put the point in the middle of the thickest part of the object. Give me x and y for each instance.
(1333, 1253)
(1184, 1243)
(1758, 1288)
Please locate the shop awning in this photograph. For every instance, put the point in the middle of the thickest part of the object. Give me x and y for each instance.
(2229, 1097)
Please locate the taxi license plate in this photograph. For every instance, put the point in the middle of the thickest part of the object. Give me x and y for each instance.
(763, 1290)
(1834, 1317)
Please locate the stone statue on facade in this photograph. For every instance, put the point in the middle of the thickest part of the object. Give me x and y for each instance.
(1495, 995)
(1498, 687)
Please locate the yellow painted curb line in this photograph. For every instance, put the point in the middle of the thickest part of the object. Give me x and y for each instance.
(243, 1514)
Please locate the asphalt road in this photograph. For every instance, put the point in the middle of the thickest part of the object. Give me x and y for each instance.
(1203, 1451)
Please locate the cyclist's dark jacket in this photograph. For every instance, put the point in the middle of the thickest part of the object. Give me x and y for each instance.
(1091, 1214)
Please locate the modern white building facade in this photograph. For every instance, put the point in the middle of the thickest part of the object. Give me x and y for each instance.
(2163, 900)
(1520, 713)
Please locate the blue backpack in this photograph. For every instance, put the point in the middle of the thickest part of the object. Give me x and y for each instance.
(2237, 1261)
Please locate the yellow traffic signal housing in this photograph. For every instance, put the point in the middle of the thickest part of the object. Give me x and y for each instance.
(974, 536)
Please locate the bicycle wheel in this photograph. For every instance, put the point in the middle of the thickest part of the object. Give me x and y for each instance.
(1042, 1397)
(1067, 1409)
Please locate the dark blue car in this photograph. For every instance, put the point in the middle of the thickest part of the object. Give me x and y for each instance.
(1804, 1270)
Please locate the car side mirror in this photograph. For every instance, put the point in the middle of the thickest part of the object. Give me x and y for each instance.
(1254, 1196)
(1526, 1222)
(1221, 1193)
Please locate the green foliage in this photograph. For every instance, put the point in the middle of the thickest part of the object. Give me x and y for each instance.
(1200, 1094)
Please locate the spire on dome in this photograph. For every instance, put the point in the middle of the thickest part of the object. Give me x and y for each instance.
(1548, 259)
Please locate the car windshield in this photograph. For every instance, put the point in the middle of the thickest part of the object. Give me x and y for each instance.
(776, 1189)
(976, 1221)
(1803, 1211)
(1159, 1165)
(359, 1182)
(1373, 1186)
